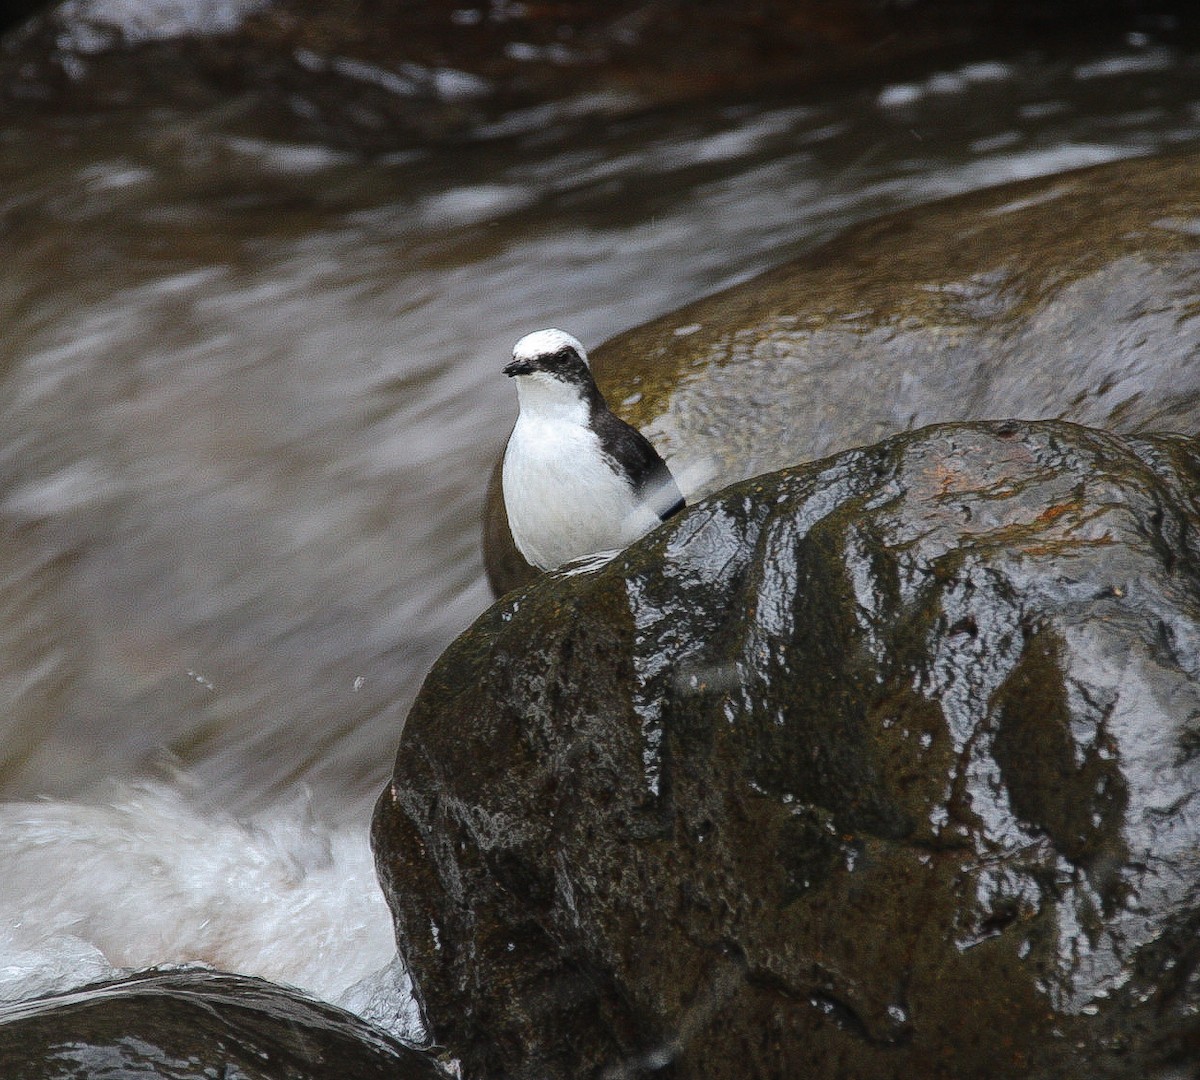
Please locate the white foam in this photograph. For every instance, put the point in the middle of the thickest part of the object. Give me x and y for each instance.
(899, 95)
(385, 998)
(986, 71)
(1135, 64)
(902, 95)
(473, 204)
(150, 879)
(295, 158)
(155, 20)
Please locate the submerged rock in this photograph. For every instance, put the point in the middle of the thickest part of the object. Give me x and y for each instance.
(197, 1023)
(1069, 297)
(884, 766)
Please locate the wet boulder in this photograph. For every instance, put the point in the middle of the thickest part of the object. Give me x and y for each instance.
(195, 1022)
(1069, 297)
(884, 766)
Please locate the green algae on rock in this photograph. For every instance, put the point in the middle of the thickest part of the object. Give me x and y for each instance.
(876, 767)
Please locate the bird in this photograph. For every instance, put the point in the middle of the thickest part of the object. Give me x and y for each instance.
(576, 478)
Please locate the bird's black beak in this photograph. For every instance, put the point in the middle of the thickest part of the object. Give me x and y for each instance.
(518, 367)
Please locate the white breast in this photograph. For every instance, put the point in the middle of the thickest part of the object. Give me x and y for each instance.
(562, 496)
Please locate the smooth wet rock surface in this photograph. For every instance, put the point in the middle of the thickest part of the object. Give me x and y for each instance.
(879, 767)
(194, 1025)
(1070, 296)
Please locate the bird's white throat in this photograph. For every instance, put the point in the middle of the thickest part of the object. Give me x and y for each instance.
(543, 397)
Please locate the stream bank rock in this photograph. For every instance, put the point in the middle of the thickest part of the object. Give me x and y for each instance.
(1070, 297)
(197, 1023)
(885, 766)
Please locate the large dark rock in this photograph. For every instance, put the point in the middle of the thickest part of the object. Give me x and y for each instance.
(195, 1024)
(885, 766)
(1070, 296)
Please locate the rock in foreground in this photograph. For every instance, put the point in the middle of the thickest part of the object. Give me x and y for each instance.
(880, 767)
(196, 1023)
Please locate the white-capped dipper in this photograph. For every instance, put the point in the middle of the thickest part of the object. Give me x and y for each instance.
(577, 479)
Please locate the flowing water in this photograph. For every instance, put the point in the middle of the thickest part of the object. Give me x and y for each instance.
(251, 394)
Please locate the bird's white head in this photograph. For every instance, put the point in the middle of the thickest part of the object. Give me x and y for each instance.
(547, 343)
(552, 373)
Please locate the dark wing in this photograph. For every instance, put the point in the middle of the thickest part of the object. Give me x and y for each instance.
(634, 454)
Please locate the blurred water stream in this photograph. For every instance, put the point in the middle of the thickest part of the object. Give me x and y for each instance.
(250, 398)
